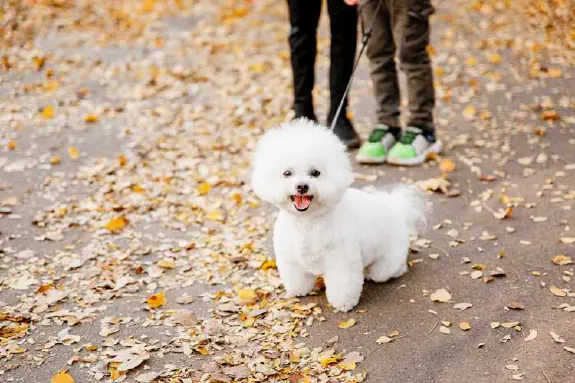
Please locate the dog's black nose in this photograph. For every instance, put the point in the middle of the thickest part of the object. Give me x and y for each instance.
(302, 188)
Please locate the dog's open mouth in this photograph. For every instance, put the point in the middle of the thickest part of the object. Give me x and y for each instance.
(301, 202)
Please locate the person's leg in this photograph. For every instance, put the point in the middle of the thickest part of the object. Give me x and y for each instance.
(343, 25)
(304, 19)
(410, 20)
(412, 35)
(381, 55)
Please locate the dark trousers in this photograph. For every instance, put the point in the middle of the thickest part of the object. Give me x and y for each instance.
(304, 19)
(401, 28)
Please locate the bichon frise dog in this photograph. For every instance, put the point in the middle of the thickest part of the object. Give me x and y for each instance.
(325, 227)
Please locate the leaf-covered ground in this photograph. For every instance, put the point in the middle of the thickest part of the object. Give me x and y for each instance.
(132, 248)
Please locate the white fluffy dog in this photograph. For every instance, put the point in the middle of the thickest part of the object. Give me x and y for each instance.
(325, 227)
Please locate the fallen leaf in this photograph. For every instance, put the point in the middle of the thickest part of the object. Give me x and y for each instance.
(116, 224)
(567, 240)
(156, 300)
(441, 295)
(47, 113)
(557, 291)
(495, 58)
(554, 72)
(516, 306)
(556, 337)
(204, 188)
(465, 326)
(383, 339)
(512, 367)
(215, 215)
(569, 349)
(562, 260)
(444, 330)
(185, 318)
(346, 324)
(347, 366)
(167, 264)
(434, 184)
(73, 152)
(532, 335)
(91, 118)
(462, 306)
(62, 377)
(446, 165)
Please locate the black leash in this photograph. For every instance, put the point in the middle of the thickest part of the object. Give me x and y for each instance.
(366, 35)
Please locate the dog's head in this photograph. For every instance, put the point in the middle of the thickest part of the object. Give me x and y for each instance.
(301, 167)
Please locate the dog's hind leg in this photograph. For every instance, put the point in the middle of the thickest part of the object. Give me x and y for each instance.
(392, 265)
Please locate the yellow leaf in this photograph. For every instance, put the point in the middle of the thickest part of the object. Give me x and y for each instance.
(62, 377)
(91, 347)
(156, 300)
(47, 113)
(11, 145)
(447, 165)
(215, 215)
(557, 291)
(257, 68)
(204, 188)
(469, 112)
(91, 118)
(136, 188)
(346, 324)
(555, 73)
(55, 160)
(39, 62)
(237, 197)
(247, 294)
(471, 61)
(202, 350)
(122, 160)
(116, 224)
(495, 58)
(347, 366)
(465, 326)
(269, 264)
(113, 369)
(148, 6)
(51, 85)
(73, 152)
(167, 264)
(327, 361)
(562, 260)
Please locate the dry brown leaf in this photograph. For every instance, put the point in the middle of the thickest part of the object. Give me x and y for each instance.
(562, 260)
(440, 295)
(557, 291)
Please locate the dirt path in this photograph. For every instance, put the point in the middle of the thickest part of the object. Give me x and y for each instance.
(133, 249)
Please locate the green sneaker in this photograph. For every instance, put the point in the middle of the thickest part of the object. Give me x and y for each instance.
(412, 148)
(374, 151)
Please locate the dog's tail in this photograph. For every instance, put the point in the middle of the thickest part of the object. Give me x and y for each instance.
(412, 202)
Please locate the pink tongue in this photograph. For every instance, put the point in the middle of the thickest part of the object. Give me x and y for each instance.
(302, 202)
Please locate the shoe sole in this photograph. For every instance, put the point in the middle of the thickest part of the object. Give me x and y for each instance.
(436, 147)
(368, 160)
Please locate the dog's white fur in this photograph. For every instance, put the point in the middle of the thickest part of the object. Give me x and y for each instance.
(345, 232)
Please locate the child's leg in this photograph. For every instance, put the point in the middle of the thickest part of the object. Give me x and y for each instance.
(381, 54)
(411, 33)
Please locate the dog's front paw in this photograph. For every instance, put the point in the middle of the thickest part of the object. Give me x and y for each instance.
(290, 293)
(342, 303)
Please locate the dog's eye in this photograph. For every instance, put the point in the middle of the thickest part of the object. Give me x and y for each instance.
(315, 173)
(288, 173)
